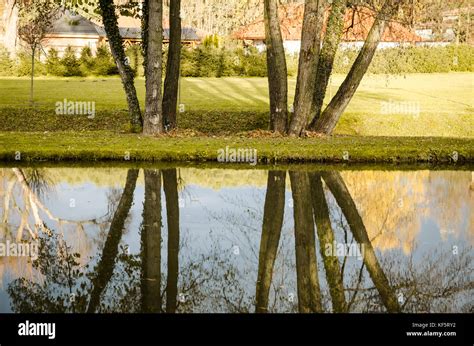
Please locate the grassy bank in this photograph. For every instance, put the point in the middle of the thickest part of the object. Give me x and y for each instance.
(104, 145)
(229, 105)
(231, 112)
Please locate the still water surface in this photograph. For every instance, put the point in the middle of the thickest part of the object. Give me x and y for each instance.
(218, 240)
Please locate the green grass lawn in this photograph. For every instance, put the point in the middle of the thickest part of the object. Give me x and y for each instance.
(229, 105)
(226, 109)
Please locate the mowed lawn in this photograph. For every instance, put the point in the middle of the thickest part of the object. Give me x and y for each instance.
(445, 102)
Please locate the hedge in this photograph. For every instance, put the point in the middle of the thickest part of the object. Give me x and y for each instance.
(210, 60)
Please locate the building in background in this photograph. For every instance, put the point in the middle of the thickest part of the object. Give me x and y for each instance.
(357, 27)
(76, 31)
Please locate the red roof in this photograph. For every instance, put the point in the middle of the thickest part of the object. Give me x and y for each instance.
(356, 27)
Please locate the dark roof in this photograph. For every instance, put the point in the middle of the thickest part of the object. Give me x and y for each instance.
(124, 32)
(187, 34)
(68, 24)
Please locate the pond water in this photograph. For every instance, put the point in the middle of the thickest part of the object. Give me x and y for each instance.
(111, 239)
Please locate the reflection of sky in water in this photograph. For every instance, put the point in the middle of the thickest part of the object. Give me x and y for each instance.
(231, 216)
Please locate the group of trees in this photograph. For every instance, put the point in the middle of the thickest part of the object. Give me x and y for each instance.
(315, 64)
(316, 58)
(37, 18)
(160, 112)
(316, 61)
(160, 105)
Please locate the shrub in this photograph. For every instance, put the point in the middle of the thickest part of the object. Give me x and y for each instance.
(188, 63)
(86, 61)
(104, 64)
(6, 63)
(71, 64)
(54, 66)
(462, 57)
(254, 63)
(23, 65)
(207, 61)
(210, 61)
(226, 64)
(136, 59)
(452, 58)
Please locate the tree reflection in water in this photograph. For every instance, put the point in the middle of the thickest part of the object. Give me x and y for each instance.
(117, 281)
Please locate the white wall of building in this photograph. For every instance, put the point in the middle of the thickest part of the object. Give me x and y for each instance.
(293, 47)
(77, 43)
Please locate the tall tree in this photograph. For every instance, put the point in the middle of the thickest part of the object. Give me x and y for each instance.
(110, 21)
(332, 38)
(271, 230)
(151, 243)
(344, 199)
(110, 251)
(35, 21)
(152, 31)
(170, 94)
(170, 185)
(329, 118)
(308, 63)
(277, 69)
(309, 294)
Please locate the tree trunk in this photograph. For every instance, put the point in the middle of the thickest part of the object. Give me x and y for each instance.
(153, 16)
(170, 94)
(170, 185)
(343, 198)
(271, 230)
(328, 52)
(326, 237)
(109, 18)
(33, 52)
(309, 295)
(105, 267)
(308, 64)
(151, 243)
(329, 118)
(277, 70)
